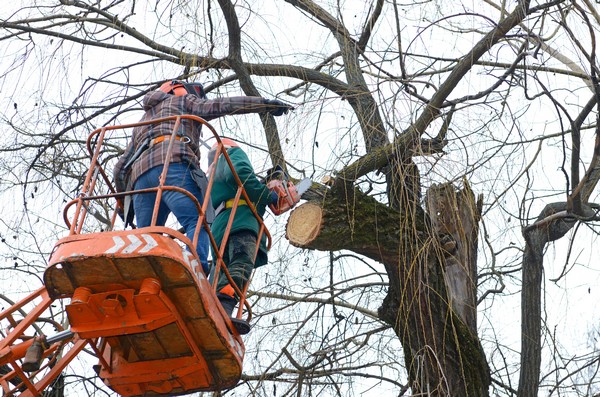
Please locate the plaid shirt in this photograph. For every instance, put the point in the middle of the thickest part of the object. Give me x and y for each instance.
(157, 104)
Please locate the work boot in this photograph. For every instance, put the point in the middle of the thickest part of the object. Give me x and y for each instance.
(228, 304)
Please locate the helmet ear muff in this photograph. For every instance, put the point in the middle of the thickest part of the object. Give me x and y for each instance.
(195, 89)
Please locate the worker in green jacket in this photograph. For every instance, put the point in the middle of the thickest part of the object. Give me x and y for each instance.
(241, 244)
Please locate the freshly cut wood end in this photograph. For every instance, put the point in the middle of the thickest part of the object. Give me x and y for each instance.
(327, 180)
(304, 224)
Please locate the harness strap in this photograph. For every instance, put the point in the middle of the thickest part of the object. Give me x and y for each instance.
(163, 138)
(227, 204)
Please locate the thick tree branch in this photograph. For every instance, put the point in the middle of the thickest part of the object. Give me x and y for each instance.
(377, 159)
(370, 24)
(358, 95)
(242, 71)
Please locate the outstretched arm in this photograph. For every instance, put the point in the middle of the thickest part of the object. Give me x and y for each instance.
(213, 108)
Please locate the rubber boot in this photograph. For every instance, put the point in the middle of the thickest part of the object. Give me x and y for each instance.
(229, 304)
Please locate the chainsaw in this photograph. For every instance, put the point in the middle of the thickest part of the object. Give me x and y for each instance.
(288, 193)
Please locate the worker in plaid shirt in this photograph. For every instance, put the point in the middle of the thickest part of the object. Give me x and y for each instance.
(141, 164)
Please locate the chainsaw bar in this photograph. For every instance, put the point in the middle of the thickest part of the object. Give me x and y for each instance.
(303, 186)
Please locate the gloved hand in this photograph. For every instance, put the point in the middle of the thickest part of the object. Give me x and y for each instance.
(274, 198)
(277, 107)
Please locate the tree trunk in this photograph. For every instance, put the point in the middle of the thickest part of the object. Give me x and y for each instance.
(546, 229)
(443, 355)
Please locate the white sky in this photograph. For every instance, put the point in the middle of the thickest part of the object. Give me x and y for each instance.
(571, 309)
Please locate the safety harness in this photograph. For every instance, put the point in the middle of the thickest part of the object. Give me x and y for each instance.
(198, 176)
(225, 205)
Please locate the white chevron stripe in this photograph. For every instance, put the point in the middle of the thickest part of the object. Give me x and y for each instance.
(135, 244)
(186, 256)
(150, 243)
(119, 243)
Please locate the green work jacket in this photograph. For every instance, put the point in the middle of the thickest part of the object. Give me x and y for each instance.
(225, 188)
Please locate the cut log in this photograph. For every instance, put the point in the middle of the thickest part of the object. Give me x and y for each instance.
(304, 224)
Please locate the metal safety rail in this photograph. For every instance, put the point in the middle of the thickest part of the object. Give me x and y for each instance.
(137, 298)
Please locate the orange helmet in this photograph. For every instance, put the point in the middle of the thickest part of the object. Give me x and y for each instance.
(227, 143)
(180, 88)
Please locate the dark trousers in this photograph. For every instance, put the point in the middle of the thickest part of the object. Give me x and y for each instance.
(239, 258)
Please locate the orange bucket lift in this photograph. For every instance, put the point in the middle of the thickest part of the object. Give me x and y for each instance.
(137, 298)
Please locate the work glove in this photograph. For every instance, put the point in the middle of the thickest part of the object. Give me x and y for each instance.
(274, 198)
(274, 173)
(277, 107)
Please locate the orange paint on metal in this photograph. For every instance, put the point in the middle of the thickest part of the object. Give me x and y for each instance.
(138, 299)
